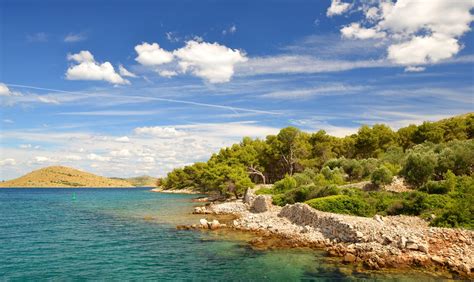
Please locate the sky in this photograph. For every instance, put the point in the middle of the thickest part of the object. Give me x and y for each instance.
(127, 88)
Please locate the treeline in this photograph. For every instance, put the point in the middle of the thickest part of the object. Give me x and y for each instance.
(435, 158)
(291, 151)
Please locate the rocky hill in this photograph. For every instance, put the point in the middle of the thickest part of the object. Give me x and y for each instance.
(60, 176)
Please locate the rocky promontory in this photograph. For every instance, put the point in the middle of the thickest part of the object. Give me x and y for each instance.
(378, 242)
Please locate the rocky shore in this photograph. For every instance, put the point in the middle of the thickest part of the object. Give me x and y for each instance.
(374, 243)
(180, 191)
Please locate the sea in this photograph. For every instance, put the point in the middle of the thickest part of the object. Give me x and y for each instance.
(130, 234)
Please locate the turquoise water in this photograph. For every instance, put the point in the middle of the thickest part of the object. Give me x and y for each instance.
(130, 234)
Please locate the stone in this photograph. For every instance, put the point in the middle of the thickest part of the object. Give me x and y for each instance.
(402, 243)
(378, 218)
(203, 222)
(411, 246)
(214, 224)
(349, 258)
(262, 203)
(249, 196)
(423, 248)
(438, 259)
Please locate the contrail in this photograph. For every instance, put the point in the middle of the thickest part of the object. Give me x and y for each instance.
(234, 109)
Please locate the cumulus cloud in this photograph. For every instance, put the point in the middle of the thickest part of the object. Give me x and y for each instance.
(355, 31)
(337, 8)
(86, 68)
(8, 161)
(152, 54)
(73, 158)
(124, 72)
(419, 32)
(159, 131)
(123, 139)
(210, 61)
(4, 90)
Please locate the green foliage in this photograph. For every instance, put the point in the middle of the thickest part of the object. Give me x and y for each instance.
(381, 176)
(342, 204)
(419, 167)
(286, 184)
(435, 157)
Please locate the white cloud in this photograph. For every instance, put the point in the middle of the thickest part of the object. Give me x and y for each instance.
(8, 161)
(48, 100)
(124, 72)
(74, 37)
(302, 64)
(210, 61)
(159, 131)
(42, 159)
(337, 8)
(420, 32)
(167, 73)
(4, 90)
(123, 139)
(73, 158)
(95, 157)
(355, 31)
(423, 50)
(414, 69)
(8, 120)
(213, 62)
(88, 69)
(121, 153)
(330, 89)
(26, 146)
(152, 54)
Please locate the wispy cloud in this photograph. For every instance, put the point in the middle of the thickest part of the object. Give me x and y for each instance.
(75, 37)
(37, 37)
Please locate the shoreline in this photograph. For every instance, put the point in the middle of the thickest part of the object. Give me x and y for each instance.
(180, 191)
(391, 242)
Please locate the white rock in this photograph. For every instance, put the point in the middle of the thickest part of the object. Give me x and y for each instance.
(203, 222)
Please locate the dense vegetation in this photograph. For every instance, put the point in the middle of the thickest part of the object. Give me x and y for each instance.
(435, 158)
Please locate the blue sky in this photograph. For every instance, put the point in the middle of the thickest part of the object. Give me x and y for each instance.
(124, 88)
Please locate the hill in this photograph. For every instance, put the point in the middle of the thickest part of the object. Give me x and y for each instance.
(66, 177)
(140, 181)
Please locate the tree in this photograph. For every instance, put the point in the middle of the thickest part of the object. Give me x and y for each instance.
(381, 176)
(406, 136)
(419, 167)
(429, 131)
(290, 146)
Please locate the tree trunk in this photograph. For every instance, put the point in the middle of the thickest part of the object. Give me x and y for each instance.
(255, 171)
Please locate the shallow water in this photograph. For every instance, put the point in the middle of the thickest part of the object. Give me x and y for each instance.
(130, 234)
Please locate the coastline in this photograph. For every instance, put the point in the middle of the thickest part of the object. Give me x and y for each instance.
(374, 243)
(180, 191)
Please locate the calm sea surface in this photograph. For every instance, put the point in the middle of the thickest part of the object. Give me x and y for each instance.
(77, 234)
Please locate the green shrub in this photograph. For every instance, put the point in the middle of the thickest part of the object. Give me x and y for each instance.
(381, 176)
(285, 184)
(265, 191)
(342, 204)
(435, 187)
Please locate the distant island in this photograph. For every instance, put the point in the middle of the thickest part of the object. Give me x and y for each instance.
(66, 177)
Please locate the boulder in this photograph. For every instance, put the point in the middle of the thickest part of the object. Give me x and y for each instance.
(203, 222)
(249, 196)
(349, 258)
(214, 224)
(262, 203)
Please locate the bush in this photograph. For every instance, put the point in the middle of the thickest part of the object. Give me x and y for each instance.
(381, 176)
(342, 204)
(285, 184)
(435, 187)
